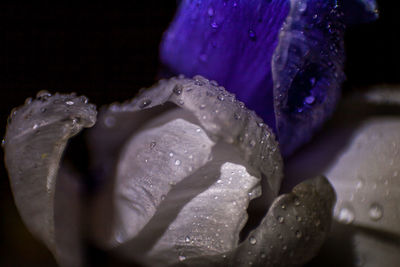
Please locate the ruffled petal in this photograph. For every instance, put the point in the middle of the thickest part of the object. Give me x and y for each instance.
(200, 189)
(45, 192)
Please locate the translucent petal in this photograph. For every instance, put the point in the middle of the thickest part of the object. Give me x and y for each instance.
(36, 136)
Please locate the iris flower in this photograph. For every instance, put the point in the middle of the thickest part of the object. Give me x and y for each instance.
(185, 174)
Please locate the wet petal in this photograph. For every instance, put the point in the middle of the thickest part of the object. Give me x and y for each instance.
(36, 136)
(231, 42)
(307, 70)
(244, 159)
(359, 153)
(291, 76)
(290, 234)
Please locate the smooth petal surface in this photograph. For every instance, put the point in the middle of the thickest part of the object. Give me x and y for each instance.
(192, 190)
(36, 136)
(284, 59)
(360, 155)
(307, 70)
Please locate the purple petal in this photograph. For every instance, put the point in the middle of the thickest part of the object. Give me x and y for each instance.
(290, 76)
(231, 42)
(307, 70)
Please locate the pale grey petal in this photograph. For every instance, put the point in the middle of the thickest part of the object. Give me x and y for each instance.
(290, 234)
(360, 155)
(36, 136)
(240, 142)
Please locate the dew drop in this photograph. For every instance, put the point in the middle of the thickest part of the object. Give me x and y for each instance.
(298, 234)
(252, 240)
(346, 215)
(144, 103)
(181, 258)
(171, 154)
(177, 89)
(297, 202)
(252, 35)
(69, 103)
(109, 121)
(221, 98)
(177, 162)
(35, 126)
(375, 212)
(281, 219)
(214, 25)
(309, 100)
(187, 239)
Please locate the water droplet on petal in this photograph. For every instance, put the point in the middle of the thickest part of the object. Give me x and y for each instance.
(177, 162)
(281, 219)
(187, 239)
(375, 211)
(309, 100)
(69, 103)
(252, 240)
(252, 35)
(144, 103)
(346, 215)
(181, 258)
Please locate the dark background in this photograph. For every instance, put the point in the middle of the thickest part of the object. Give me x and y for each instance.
(108, 52)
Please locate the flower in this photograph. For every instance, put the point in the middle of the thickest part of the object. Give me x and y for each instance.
(178, 180)
(283, 58)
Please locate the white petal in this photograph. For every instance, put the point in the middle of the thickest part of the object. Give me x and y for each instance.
(35, 140)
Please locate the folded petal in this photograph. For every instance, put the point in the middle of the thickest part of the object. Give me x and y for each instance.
(190, 160)
(307, 70)
(45, 192)
(290, 234)
(284, 59)
(359, 154)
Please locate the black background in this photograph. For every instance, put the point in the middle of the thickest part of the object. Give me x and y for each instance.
(108, 52)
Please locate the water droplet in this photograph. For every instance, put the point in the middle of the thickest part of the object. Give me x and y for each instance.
(375, 211)
(281, 219)
(346, 215)
(283, 206)
(43, 110)
(220, 97)
(360, 183)
(252, 240)
(182, 258)
(177, 162)
(298, 234)
(69, 103)
(109, 121)
(296, 202)
(198, 130)
(236, 116)
(210, 12)
(163, 197)
(3, 142)
(35, 126)
(202, 106)
(177, 89)
(187, 239)
(171, 154)
(302, 6)
(214, 25)
(252, 35)
(309, 100)
(144, 103)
